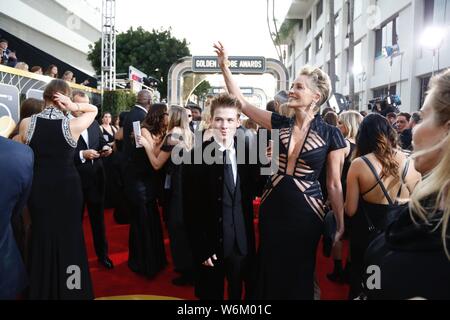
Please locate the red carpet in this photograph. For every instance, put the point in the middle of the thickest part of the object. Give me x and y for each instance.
(122, 281)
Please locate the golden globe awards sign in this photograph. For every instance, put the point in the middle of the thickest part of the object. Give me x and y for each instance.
(245, 65)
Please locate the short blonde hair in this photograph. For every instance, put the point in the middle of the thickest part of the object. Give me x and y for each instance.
(351, 120)
(318, 81)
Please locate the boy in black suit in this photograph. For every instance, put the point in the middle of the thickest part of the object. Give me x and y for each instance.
(220, 225)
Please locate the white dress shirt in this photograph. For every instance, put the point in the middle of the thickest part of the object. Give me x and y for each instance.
(141, 107)
(232, 155)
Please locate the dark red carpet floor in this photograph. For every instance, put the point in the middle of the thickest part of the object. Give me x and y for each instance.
(121, 281)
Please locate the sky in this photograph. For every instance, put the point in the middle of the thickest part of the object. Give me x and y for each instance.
(241, 25)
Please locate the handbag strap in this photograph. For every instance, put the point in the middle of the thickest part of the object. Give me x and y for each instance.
(379, 182)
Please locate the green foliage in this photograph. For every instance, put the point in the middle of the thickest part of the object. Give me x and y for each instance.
(146, 51)
(202, 89)
(118, 101)
(285, 29)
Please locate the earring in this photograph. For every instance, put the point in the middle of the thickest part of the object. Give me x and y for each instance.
(313, 105)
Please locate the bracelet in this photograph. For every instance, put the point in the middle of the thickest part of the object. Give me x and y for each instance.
(227, 63)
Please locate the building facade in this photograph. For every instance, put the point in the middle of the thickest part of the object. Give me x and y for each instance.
(62, 28)
(388, 52)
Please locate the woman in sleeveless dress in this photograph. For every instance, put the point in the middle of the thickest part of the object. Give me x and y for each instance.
(58, 261)
(178, 135)
(292, 208)
(378, 178)
(349, 122)
(109, 131)
(147, 254)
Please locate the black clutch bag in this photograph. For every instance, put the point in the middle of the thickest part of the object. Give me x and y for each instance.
(329, 232)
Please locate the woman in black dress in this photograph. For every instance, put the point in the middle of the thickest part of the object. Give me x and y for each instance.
(178, 134)
(108, 131)
(349, 122)
(413, 254)
(147, 254)
(292, 208)
(58, 262)
(378, 178)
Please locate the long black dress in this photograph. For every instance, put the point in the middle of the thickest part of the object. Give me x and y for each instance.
(375, 215)
(147, 255)
(58, 261)
(108, 164)
(173, 207)
(291, 213)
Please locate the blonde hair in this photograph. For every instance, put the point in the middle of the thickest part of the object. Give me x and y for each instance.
(437, 182)
(22, 66)
(205, 123)
(178, 119)
(351, 120)
(286, 111)
(318, 81)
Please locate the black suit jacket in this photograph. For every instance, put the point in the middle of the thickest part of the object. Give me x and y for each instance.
(91, 171)
(16, 176)
(202, 204)
(129, 147)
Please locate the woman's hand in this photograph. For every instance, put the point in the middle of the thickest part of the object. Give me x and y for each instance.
(144, 142)
(222, 55)
(64, 102)
(338, 236)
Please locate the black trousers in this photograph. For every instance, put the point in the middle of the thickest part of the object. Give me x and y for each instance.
(95, 207)
(210, 283)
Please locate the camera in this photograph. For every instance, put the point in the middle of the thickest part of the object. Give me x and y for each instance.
(385, 105)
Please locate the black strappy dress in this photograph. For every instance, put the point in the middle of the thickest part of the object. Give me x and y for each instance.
(292, 212)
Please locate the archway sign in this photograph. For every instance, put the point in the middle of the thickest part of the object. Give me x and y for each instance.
(209, 64)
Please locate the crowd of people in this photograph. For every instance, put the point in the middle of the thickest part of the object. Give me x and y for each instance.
(385, 180)
(9, 58)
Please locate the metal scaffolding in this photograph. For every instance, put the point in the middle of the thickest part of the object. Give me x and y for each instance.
(108, 45)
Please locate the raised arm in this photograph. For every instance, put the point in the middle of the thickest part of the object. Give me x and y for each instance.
(261, 117)
(147, 142)
(77, 125)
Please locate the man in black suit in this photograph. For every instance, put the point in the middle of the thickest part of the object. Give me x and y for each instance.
(220, 225)
(90, 149)
(16, 176)
(135, 198)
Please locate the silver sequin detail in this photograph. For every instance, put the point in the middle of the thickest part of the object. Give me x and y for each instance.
(67, 133)
(31, 128)
(52, 114)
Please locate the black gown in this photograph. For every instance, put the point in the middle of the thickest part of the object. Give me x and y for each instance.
(147, 255)
(291, 214)
(58, 261)
(108, 164)
(173, 208)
